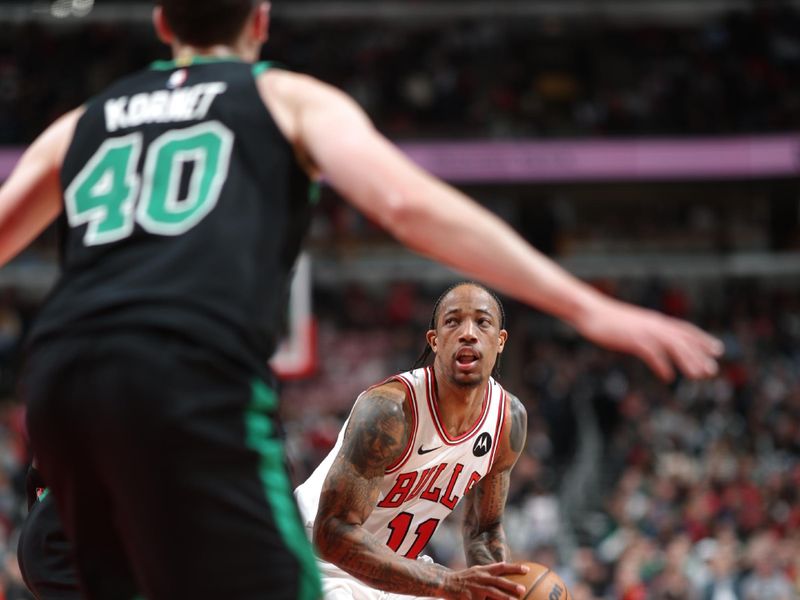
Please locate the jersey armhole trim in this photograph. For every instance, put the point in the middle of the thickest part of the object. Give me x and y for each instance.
(262, 67)
(501, 427)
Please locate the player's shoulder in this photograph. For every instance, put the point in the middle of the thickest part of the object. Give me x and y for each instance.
(383, 403)
(385, 400)
(514, 404)
(283, 80)
(301, 91)
(392, 390)
(517, 417)
(50, 148)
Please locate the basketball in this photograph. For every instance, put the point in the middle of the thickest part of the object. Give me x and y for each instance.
(541, 583)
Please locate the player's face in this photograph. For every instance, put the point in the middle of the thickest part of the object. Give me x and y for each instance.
(468, 337)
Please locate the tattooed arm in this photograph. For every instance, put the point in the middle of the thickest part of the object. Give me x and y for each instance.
(377, 434)
(484, 538)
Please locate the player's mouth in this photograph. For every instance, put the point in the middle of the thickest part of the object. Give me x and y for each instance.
(467, 359)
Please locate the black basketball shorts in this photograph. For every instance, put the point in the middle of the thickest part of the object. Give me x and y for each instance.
(164, 463)
(44, 554)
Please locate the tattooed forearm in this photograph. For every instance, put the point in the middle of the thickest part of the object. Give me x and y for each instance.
(484, 537)
(376, 436)
(362, 555)
(341, 540)
(347, 498)
(488, 547)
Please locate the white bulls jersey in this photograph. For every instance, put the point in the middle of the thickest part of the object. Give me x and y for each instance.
(435, 471)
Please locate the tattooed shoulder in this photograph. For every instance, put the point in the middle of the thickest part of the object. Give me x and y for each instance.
(519, 423)
(378, 430)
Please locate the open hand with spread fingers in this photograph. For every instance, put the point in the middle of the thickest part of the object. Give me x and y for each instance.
(662, 342)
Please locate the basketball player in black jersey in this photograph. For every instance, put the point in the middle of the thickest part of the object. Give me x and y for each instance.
(182, 196)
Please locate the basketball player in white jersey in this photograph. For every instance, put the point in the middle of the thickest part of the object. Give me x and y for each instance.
(412, 448)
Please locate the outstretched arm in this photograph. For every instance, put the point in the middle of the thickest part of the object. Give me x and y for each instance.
(484, 537)
(31, 197)
(440, 222)
(376, 436)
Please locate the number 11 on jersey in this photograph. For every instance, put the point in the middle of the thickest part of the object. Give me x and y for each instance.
(400, 526)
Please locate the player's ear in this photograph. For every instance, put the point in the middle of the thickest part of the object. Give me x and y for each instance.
(502, 344)
(261, 22)
(163, 30)
(431, 339)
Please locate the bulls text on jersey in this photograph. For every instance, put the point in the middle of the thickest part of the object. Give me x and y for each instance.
(408, 486)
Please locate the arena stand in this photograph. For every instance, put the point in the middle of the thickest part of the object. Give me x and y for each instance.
(629, 487)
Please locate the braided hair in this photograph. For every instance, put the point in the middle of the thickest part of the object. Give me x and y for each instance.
(426, 353)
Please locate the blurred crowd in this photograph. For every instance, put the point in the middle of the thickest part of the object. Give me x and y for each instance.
(469, 78)
(557, 78)
(697, 484)
(593, 219)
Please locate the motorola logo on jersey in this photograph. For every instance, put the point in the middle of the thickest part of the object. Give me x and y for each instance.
(482, 444)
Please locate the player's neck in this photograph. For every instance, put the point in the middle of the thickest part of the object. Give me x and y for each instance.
(185, 52)
(459, 406)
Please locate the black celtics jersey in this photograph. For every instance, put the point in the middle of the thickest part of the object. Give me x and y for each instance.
(184, 211)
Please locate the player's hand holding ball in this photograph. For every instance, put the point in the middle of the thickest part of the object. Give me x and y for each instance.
(541, 583)
(486, 582)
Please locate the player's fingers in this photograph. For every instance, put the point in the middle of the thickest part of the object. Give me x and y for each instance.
(497, 595)
(683, 345)
(501, 589)
(693, 368)
(505, 568)
(657, 359)
(707, 342)
(692, 361)
(713, 345)
(699, 366)
(491, 594)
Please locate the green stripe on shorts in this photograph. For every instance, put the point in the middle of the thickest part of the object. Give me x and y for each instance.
(277, 487)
